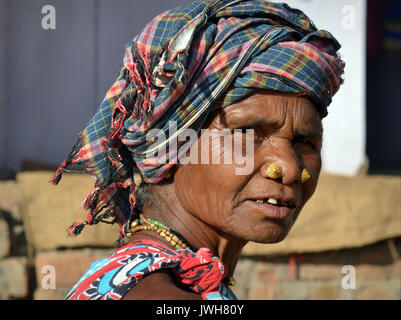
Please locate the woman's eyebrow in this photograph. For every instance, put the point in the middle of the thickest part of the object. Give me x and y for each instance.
(312, 133)
(233, 119)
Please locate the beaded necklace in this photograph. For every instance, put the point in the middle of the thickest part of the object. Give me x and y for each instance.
(174, 238)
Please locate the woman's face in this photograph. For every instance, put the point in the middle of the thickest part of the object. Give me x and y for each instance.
(287, 131)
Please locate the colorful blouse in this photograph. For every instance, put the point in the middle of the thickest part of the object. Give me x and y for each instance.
(112, 277)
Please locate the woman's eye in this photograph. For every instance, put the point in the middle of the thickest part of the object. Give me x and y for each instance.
(304, 141)
(249, 135)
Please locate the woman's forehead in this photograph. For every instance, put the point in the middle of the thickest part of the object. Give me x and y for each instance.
(273, 109)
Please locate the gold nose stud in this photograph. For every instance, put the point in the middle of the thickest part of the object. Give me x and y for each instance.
(274, 171)
(305, 176)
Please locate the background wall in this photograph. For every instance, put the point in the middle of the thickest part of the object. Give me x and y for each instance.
(383, 115)
(53, 80)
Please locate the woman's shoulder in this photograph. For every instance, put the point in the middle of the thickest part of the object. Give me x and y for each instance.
(114, 276)
(160, 285)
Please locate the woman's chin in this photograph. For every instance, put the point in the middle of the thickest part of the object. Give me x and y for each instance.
(273, 234)
(271, 240)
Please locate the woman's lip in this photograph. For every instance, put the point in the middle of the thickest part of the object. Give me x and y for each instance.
(270, 210)
(289, 202)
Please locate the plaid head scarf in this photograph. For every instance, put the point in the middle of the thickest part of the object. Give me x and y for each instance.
(183, 65)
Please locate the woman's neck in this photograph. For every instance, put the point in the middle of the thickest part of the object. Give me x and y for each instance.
(165, 207)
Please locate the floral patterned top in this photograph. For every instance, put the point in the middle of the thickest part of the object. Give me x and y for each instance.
(110, 278)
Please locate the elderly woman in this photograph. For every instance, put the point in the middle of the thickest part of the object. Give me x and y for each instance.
(261, 74)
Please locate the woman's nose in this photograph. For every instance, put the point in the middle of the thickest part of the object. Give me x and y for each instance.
(282, 165)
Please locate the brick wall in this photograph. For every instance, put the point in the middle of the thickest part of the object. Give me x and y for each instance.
(69, 265)
(319, 275)
(15, 270)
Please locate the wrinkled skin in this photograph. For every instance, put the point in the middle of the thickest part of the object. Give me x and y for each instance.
(213, 207)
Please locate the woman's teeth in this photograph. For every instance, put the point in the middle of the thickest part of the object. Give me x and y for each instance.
(274, 202)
